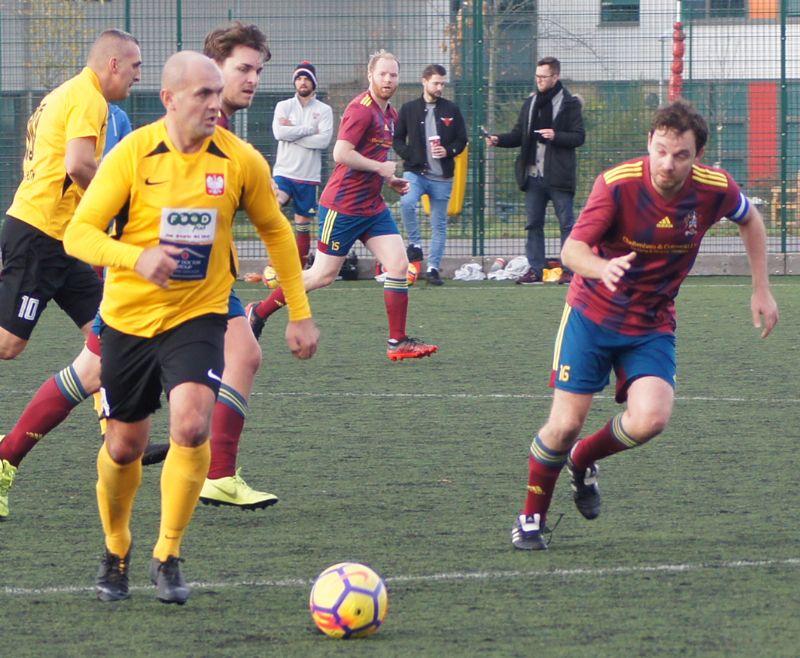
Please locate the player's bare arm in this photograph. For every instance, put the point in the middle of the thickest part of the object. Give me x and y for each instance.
(579, 257)
(345, 153)
(79, 160)
(763, 306)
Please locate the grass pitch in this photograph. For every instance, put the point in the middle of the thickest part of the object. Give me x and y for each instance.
(418, 469)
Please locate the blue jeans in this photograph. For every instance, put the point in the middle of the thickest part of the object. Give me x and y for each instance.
(537, 195)
(438, 192)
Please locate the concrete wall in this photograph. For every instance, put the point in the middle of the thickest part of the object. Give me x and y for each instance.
(726, 49)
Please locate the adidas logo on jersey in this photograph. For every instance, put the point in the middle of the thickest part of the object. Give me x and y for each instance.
(665, 223)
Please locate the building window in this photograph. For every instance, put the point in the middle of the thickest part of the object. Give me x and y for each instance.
(711, 9)
(619, 11)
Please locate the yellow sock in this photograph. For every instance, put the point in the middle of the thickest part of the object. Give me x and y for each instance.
(97, 401)
(182, 478)
(117, 485)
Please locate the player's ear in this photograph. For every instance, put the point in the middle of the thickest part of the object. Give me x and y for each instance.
(700, 154)
(166, 98)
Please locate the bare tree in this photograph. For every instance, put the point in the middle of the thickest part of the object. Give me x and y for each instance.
(57, 38)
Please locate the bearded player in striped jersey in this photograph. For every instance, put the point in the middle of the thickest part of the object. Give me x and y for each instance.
(632, 247)
(352, 208)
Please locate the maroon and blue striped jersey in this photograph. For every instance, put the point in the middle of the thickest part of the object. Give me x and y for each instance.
(371, 131)
(625, 213)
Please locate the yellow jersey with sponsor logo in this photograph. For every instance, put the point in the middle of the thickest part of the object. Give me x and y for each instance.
(47, 197)
(160, 195)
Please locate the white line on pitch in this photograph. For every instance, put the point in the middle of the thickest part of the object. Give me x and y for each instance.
(456, 576)
(501, 396)
(474, 396)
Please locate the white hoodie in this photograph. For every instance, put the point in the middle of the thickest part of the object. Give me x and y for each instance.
(300, 145)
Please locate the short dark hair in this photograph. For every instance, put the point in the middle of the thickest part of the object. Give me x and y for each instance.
(681, 116)
(121, 35)
(433, 69)
(219, 43)
(552, 62)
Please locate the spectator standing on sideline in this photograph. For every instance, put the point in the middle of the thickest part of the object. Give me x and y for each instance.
(352, 208)
(632, 247)
(65, 139)
(179, 183)
(303, 126)
(119, 125)
(548, 130)
(430, 132)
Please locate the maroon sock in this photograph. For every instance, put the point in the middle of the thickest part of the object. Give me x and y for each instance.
(46, 410)
(268, 306)
(607, 441)
(396, 301)
(544, 467)
(303, 245)
(226, 430)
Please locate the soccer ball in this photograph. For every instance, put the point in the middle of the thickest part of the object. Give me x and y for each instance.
(348, 600)
(270, 277)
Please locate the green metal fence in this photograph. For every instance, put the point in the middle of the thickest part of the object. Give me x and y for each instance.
(741, 67)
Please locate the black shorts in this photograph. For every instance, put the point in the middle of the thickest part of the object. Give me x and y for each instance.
(136, 370)
(36, 269)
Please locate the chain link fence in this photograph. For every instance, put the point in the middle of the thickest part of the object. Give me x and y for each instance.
(740, 66)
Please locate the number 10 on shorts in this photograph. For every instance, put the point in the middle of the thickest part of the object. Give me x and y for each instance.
(28, 308)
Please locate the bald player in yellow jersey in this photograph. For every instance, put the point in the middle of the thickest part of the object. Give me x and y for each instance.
(174, 187)
(64, 142)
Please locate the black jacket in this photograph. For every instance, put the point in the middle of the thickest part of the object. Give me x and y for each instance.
(560, 164)
(411, 144)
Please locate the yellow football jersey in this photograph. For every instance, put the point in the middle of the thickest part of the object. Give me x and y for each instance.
(46, 198)
(162, 196)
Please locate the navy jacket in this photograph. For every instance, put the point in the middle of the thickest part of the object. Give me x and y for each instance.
(560, 163)
(411, 144)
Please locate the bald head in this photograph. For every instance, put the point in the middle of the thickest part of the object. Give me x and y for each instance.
(191, 87)
(183, 69)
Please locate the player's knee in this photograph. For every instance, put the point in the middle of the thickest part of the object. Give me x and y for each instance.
(11, 349)
(319, 279)
(190, 428)
(252, 358)
(123, 451)
(7, 355)
(246, 358)
(87, 367)
(562, 432)
(90, 382)
(397, 268)
(646, 425)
